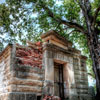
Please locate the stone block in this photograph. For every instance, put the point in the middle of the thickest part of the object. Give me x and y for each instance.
(16, 96)
(82, 91)
(73, 97)
(26, 75)
(60, 56)
(86, 97)
(70, 60)
(25, 88)
(49, 69)
(21, 96)
(66, 93)
(30, 97)
(48, 54)
(80, 86)
(66, 58)
(54, 55)
(48, 87)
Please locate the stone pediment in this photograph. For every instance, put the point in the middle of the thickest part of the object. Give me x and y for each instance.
(56, 39)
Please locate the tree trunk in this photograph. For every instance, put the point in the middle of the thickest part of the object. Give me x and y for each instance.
(94, 47)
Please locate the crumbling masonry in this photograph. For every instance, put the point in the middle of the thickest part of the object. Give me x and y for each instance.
(51, 67)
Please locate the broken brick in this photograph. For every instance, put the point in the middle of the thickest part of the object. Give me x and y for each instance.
(30, 56)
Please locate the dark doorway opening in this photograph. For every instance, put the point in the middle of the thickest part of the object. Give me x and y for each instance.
(58, 80)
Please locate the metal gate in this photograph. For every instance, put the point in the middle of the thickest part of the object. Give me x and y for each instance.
(58, 80)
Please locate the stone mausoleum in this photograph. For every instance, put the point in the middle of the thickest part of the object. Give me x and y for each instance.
(48, 68)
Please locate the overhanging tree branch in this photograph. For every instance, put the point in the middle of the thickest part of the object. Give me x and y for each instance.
(91, 75)
(86, 9)
(96, 15)
(59, 20)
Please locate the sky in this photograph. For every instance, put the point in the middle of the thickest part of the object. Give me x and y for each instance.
(2, 1)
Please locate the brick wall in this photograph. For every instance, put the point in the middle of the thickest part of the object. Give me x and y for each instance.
(27, 69)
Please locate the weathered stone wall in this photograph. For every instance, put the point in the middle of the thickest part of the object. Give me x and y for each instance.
(56, 54)
(27, 79)
(27, 70)
(5, 58)
(5, 74)
(81, 78)
(18, 96)
(75, 72)
(22, 73)
(30, 55)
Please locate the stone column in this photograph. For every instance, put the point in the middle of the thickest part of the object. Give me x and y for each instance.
(48, 88)
(69, 78)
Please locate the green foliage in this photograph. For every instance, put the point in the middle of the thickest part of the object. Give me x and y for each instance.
(72, 10)
(1, 47)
